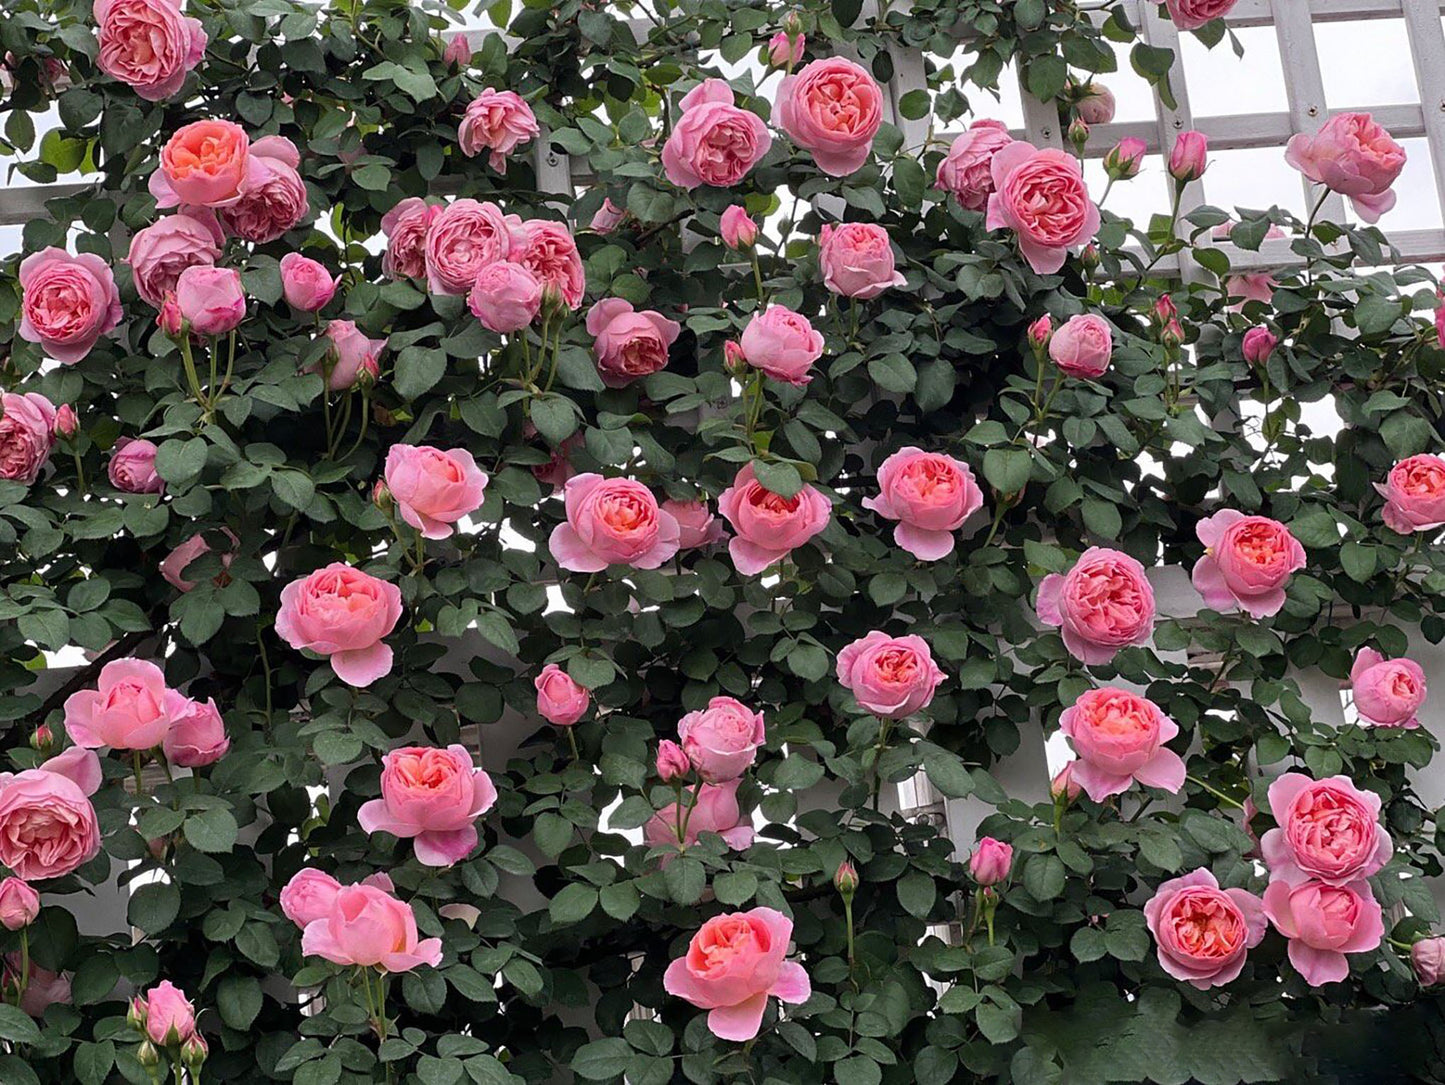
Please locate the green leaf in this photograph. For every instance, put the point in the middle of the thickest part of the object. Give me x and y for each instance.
(1007, 469)
(154, 907)
(417, 370)
(212, 830)
(602, 1060)
(572, 904)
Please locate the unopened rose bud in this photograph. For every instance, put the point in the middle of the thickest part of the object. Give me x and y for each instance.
(381, 496)
(42, 739)
(1125, 158)
(1040, 332)
(458, 53)
(672, 762)
(1172, 335)
(19, 904)
(194, 1052)
(1079, 133)
(1063, 787)
(169, 319)
(1094, 102)
(158, 847)
(1164, 310)
(1428, 958)
(1189, 158)
(66, 424)
(792, 23)
(846, 879)
(991, 861)
(733, 360)
(738, 230)
(148, 1055)
(367, 373)
(785, 49)
(135, 1016)
(1090, 256)
(1258, 345)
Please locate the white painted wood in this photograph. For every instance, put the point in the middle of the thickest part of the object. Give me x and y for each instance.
(1427, 50)
(1304, 85)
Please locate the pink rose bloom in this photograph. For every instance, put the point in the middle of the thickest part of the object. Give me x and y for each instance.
(716, 811)
(732, 966)
(930, 495)
(548, 251)
(306, 284)
(43, 988)
(463, 238)
(857, 260)
(197, 735)
(1102, 604)
(506, 297)
(783, 344)
(1041, 196)
(170, 1017)
(176, 561)
(27, 434)
(1354, 156)
(889, 676)
(1095, 104)
(832, 108)
(406, 227)
(738, 230)
(274, 199)
(147, 44)
(1427, 957)
(352, 351)
(612, 521)
(67, 302)
(1247, 561)
(204, 164)
(66, 426)
(159, 253)
(1258, 344)
(1388, 692)
(308, 896)
(1328, 830)
(1323, 923)
(713, 142)
(1203, 932)
(434, 489)
(1414, 494)
(723, 739)
(343, 613)
(672, 763)
(48, 826)
(211, 298)
(1250, 286)
(1190, 157)
(368, 926)
(19, 904)
(769, 526)
(965, 171)
(696, 524)
(132, 467)
(1119, 738)
(608, 217)
(499, 121)
(561, 701)
(458, 52)
(1192, 14)
(991, 861)
(126, 712)
(629, 344)
(433, 797)
(785, 50)
(1083, 346)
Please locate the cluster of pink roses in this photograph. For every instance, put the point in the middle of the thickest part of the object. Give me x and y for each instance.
(133, 709)
(356, 925)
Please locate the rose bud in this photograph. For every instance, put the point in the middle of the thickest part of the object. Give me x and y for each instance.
(1040, 332)
(1188, 160)
(1124, 158)
(1164, 310)
(1258, 345)
(1428, 958)
(193, 1054)
(42, 740)
(672, 762)
(1063, 787)
(381, 496)
(738, 230)
(733, 360)
(147, 1055)
(169, 318)
(1079, 133)
(66, 424)
(845, 880)
(991, 861)
(1172, 335)
(19, 904)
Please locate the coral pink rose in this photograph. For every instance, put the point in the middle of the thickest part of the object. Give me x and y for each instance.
(147, 45)
(783, 344)
(174, 565)
(857, 260)
(211, 299)
(696, 524)
(889, 676)
(1104, 603)
(170, 1019)
(27, 434)
(306, 284)
(506, 297)
(965, 171)
(612, 521)
(197, 735)
(713, 142)
(367, 926)
(462, 239)
(722, 740)
(1323, 923)
(832, 108)
(1388, 692)
(67, 302)
(1247, 561)
(434, 489)
(309, 896)
(343, 613)
(19, 904)
(274, 199)
(991, 861)
(1119, 738)
(159, 253)
(406, 227)
(497, 121)
(1192, 14)
(1354, 156)
(1328, 830)
(1414, 494)
(1041, 196)
(715, 811)
(48, 826)
(561, 700)
(738, 230)
(126, 712)
(352, 353)
(1083, 346)
(769, 526)
(132, 467)
(629, 344)
(433, 797)
(1203, 932)
(732, 965)
(930, 495)
(204, 164)
(548, 250)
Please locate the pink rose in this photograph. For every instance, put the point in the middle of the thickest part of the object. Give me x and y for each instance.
(1102, 604)
(343, 613)
(713, 142)
(499, 121)
(308, 896)
(1414, 494)
(1247, 561)
(19, 904)
(715, 811)
(67, 303)
(769, 526)
(27, 434)
(1258, 344)
(722, 740)
(197, 735)
(463, 238)
(1192, 14)
(1125, 158)
(672, 763)
(126, 712)
(857, 260)
(548, 251)
(1351, 155)
(506, 297)
(159, 253)
(833, 108)
(991, 861)
(1041, 196)
(1063, 787)
(132, 467)
(889, 676)
(306, 284)
(930, 495)
(731, 968)
(434, 489)
(66, 426)
(1083, 346)
(368, 926)
(608, 217)
(458, 52)
(48, 826)
(211, 298)
(1095, 103)
(696, 524)
(612, 521)
(1250, 286)
(43, 988)
(176, 561)
(352, 352)
(1427, 957)
(274, 198)
(1388, 692)
(1190, 157)
(783, 344)
(1328, 830)
(1203, 932)
(561, 701)
(738, 230)
(629, 344)
(1323, 923)
(147, 44)
(205, 163)
(170, 1019)
(965, 170)
(1119, 737)
(785, 50)
(169, 319)
(433, 797)
(558, 468)
(406, 226)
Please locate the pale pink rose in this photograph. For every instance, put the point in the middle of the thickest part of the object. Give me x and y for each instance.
(147, 44)
(715, 811)
(48, 826)
(1041, 196)
(462, 239)
(197, 735)
(783, 344)
(1352, 155)
(548, 251)
(1323, 923)
(132, 467)
(856, 259)
(432, 797)
(127, 710)
(991, 861)
(1258, 344)
(19, 904)
(1119, 738)
(1388, 692)
(1247, 562)
(170, 1019)
(406, 227)
(769, 526)
(672, 763)
(608, 217)
(1427, 957)
(1250, 286)
(434, 489)
(352, 352)
(367, 926)
(629, 344)
(889, 676)
(206, 163)
(498, 121)
(1104, 603)
(27, 434)
(159, 253)
(211, 299)
(785, 50)
(1414, 494)
(174, 565)
(612, 521)
(731, 968)
(561, 701)
(1204, 932)
(723, 739)
(1192, 14)
(1083, 346)
(738, 230)
(1328, 830)
(506, 297)
(458, 52)
(274, 197)
(1189, 157)
(1095, 103)
(713, 142)
(67, 302)
(833, 108)
(965, 171)
(309, 896)
(343, 613)
(930, 495)
(696, 524)
(306, 284)
(43, 988)
(1125, 158)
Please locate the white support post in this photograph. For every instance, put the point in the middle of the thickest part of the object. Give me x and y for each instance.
(1303, 83)
(1171, 121)
(1427, 50)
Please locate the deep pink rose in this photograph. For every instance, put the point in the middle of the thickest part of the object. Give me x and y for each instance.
(1041, 196)
(132, 467)
(126, 712)
(889, 676)
(306, 284)
(1427, 957)
(548, 250)
(406, 226)
(608, 217)
(309, 896)
(159, 253)
(857, 260)
(738, 230)
(1388, 692)
(783, 344)
(1203, 932)
(1247, 562)
(930, 495)
(715, 811)
(67, 302)
(1258, 344)
(1192, 14)
(713, 142)
(1119, 737)
(723, 739)
(274, 198)
(991, 861)
(1328, 830)
(965, 171)
(432, 797)
(1414, 494)
(352, 353)
(147, 44)
(732, 966)
(170, 1019)
(1354, 156)
(629, 344)
(769, 526)
(462, 239)
(367, 926)
(1102, 604)
(434, 489)
(612, 521)
(206, 163)
(497, 121)
(1083, 346)
(506, 297)
(19, 904)
(1323, 923)
(696, 524)
(343, 613)
(211, 298)
(48, 826)
(561, 700)
(832, 108)
(197, 735)
(27, 434)
(174, 565)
